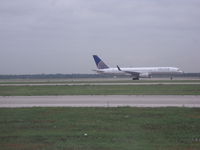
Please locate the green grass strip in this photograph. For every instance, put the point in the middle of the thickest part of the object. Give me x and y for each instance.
(101, 90)
(100, 128)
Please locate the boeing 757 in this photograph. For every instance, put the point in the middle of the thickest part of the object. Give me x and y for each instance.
(135, 73)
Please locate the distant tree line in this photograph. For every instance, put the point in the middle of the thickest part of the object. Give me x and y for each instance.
(184, 75)
(53, 76)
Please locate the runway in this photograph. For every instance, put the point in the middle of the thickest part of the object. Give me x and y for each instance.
(82, 84)
(100, 101)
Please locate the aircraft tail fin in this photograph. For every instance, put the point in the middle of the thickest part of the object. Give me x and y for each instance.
(100, 64)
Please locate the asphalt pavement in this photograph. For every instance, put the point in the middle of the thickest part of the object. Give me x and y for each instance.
(101, 101)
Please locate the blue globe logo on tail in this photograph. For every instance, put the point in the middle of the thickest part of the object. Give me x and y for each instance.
(100, 64)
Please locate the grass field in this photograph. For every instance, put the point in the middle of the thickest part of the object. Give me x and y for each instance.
(100, 90)
(100, 128)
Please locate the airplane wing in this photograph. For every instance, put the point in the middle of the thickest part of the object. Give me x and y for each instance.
(98, 71)
(134, 74)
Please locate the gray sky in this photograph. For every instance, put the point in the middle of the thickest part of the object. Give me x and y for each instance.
(60, 36)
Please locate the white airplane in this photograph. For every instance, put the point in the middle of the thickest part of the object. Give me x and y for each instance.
(135, 73)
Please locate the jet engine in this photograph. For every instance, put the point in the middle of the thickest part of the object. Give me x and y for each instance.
(145, 75)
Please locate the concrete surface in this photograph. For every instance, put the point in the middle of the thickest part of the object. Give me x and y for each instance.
(100, 101)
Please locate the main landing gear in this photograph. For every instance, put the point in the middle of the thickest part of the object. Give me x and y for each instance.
(135, 78)
(171, 76)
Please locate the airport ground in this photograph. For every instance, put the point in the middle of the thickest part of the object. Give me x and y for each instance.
(101, 101)
(100, 80)
(90, 89)
(99, 128)
(89, 128)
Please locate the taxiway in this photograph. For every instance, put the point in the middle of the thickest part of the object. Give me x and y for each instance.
(100, 101)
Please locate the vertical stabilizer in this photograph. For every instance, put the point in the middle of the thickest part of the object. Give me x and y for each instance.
(100, 64)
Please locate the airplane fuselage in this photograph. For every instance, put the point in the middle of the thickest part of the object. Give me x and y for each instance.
(143, 71)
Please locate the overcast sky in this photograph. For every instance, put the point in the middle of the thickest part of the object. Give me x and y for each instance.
(60, 36)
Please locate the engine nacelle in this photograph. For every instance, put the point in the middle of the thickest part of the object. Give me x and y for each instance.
(145, 75)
